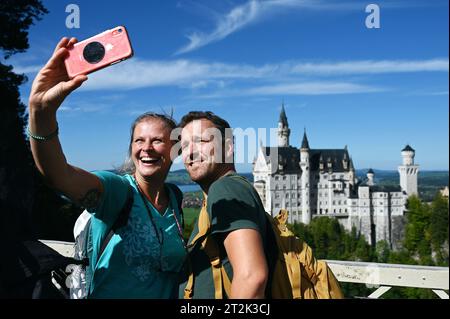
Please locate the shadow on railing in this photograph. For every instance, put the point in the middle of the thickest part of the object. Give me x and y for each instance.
(383, 276)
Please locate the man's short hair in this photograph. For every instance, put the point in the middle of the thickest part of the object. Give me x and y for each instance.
(218, 122)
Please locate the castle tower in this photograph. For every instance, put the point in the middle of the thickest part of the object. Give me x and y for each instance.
(408, 171)
(370, 175)
(351, 175)
(283, 129)
(305, 185)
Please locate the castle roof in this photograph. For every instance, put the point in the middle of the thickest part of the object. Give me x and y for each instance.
(335, 156)
(385, 188)
(305, 143)
(408, 149)
(288, 157)
(283, 117)
(370, 171)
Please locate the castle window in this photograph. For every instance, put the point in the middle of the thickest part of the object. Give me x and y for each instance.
(277, 178)
(276, 187)
(277, 195)
(287, 195)
(277, 205)
(284, 178)
(326, 211)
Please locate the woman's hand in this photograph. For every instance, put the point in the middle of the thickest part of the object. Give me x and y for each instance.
(52, 84)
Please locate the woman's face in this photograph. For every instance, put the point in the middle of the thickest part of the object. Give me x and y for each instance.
(150, 148)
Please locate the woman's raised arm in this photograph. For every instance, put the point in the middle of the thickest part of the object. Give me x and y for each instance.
(50, 87)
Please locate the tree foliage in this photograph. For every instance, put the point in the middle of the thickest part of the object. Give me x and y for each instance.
(17, 172)
(16, 17)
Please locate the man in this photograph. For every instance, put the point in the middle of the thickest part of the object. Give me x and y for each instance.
(238, 221)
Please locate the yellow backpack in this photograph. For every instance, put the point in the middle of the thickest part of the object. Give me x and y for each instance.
(296, 274)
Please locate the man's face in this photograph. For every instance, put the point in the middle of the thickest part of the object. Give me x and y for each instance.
(202, 150)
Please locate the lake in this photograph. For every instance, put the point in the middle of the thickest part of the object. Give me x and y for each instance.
(190, 188)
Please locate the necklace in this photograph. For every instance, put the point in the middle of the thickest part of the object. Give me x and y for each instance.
(144, 200)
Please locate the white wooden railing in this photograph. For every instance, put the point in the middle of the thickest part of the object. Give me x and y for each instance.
(376, 275)
(386, 276)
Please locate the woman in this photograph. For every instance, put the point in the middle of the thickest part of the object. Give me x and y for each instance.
(142, 259)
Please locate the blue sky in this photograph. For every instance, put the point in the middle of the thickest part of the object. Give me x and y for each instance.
(374, 90)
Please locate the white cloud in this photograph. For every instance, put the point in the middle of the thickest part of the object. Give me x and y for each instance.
(312, 88)
(137, 73)
(19, 69)
(239, 17)
(225, 79)
(371, 67)
(255, 11)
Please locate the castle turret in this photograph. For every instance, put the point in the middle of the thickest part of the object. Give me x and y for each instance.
(351, 175)
(370, 176)
(283, 129)
(408, 171)
(304, 164)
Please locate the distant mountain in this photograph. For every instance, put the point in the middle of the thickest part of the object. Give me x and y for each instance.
(426, 178)
(181, 177)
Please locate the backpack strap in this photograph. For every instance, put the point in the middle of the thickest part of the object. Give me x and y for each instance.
(211, 248)
(220, 276)
(121, 220)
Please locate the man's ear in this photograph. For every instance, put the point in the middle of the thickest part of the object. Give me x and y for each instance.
(229, 150)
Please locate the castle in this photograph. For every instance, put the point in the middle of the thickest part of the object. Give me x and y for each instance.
(310, 183)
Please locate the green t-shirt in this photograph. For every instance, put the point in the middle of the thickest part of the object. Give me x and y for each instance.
(136, 263)
(232, 204)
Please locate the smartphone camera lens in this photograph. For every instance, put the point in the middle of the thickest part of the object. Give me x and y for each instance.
(119, 30)
(94, 52)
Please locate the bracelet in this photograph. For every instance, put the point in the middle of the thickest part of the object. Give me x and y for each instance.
(43, 138)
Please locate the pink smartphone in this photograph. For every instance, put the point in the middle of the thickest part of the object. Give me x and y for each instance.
(99, 51)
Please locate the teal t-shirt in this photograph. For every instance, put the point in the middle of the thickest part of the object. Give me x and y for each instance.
(232, 204)
(136, 263)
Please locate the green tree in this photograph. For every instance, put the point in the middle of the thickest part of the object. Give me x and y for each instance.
(17, 174)
(439, 229)
(417, 233)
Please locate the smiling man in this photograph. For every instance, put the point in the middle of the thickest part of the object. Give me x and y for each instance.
(237, 217)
